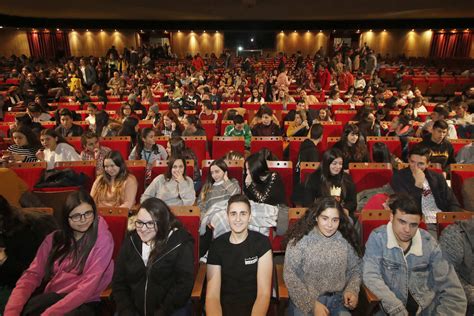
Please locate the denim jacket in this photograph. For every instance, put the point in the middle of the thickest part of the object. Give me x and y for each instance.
(431, 280)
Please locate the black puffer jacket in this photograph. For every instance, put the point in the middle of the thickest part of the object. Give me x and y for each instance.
(160, 289)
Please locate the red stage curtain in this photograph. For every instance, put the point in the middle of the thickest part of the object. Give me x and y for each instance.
(48, 45)
(448, 45)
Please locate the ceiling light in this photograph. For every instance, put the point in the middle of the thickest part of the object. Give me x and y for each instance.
(240, 48)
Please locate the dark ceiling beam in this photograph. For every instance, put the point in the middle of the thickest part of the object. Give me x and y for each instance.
(15, 21)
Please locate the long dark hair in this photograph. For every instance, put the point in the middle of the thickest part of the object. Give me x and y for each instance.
(178, 147)
(164, 220)
(258, 167)
(220, 163)
(309, 221)
(101, 121)
(327, 179)
(141, 144)
(168, 174)
(52, 133)
(128, 128)
(12, 219)
(64, 243)
(359, 149)
(31, 138)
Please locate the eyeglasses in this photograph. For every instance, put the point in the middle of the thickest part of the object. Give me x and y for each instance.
(78, 217)
(148, 225)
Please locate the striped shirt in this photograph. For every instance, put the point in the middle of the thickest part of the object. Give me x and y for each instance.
(28, 152)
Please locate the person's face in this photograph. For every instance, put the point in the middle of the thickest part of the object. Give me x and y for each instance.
(408, 111)
(145, 233)
(91, 111)
(66, 121)
(355, 98)
(111, 168)
(239, 127)
(48, 142)
(352, 138)
(260, 89)
(417, 162)
(178, 166)
(300, 106)
(238, 215)
(404, 225)
(336, 166)
(322, 114)
(167, 121)
(217, 173)
(127, 111)
(281, 94)
(266, 119)
(438, 134)
(85, 215)
(460, 111)
(20, 139)
(255, 93)
(91, 144)
(298, 119)
(149, 139)
(116, 75)
(367, 102)
(328, 221)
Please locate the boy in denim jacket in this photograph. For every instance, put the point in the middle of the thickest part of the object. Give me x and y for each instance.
(405, 268)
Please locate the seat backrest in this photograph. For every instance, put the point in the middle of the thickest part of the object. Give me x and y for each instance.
(344, 116)
(236, 169)
(459, 173)
(137, 168)
(224, 124)
(330, 141)
(393, 143)
(162, 140)
(294, 214)
(198, 144)
(370, 220)
(294, 147)
(444, 219)
(221, 145)
(459, 143)
(190, 217)
(160, 167)
(272, 143)
(307, 168)
(285, 169)
(412, 141)
(87, 167)
(119, 143)
(369, 175)
(54, 199)
(30, 172)
(210, 127)
(117, 220)
(43, 210)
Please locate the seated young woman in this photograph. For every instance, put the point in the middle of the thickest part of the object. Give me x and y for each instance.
(352, 145)
(56, 148)
(146, 149)
(154, 272)
(299, 126)
(327, 283)
(25, 146)
(116, 187)
(174, 187)
(239, 267)
(176, 147)
(331, 180)
(72, 267)
(262, 185)
(218, 187)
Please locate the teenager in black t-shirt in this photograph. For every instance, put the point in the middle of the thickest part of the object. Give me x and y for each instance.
(239, 266)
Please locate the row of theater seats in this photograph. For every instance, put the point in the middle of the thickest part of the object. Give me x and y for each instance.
(364, 175)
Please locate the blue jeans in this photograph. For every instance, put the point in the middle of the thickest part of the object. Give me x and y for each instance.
(335, 304)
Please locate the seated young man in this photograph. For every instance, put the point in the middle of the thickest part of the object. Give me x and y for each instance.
(439, 113)
(239, 128)
(457, 243)
(427, 187)
(442, 151)
(93, 151)
(267, 127)
(67, 127)
(405, 268)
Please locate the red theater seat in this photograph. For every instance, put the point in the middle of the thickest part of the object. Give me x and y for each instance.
(294, 147)
(30, 172)
(236, 169)
(75, 141)
(88, 168)
(459, 143)
(370, 175)
(221, 145)
(307, 168)
(459, 173)
(444, 219)
(198, 144)
(344, 116)
(117, 220)
(272, 143)
(210, 127)
(162, 140)
(137, 168)
(285, 169)
(119, 143)
(392, 142)
(294, 214)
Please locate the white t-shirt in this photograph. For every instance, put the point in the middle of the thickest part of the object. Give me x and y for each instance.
(63, 152)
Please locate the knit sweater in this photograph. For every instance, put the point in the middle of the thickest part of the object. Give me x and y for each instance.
(170, 191)
(308, 275)
(218, 192)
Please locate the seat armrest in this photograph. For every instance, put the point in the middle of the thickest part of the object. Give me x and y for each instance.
(281, 286)
(199, 282)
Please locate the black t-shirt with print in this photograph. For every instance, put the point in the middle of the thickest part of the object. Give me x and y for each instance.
(239, 263)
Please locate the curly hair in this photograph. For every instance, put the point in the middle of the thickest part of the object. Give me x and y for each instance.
(310, 220)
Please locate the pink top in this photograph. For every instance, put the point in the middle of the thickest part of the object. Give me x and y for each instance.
(80, 289)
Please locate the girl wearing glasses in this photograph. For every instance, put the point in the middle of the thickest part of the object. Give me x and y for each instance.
(174, 187)
(72, 266)
(154, 272)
